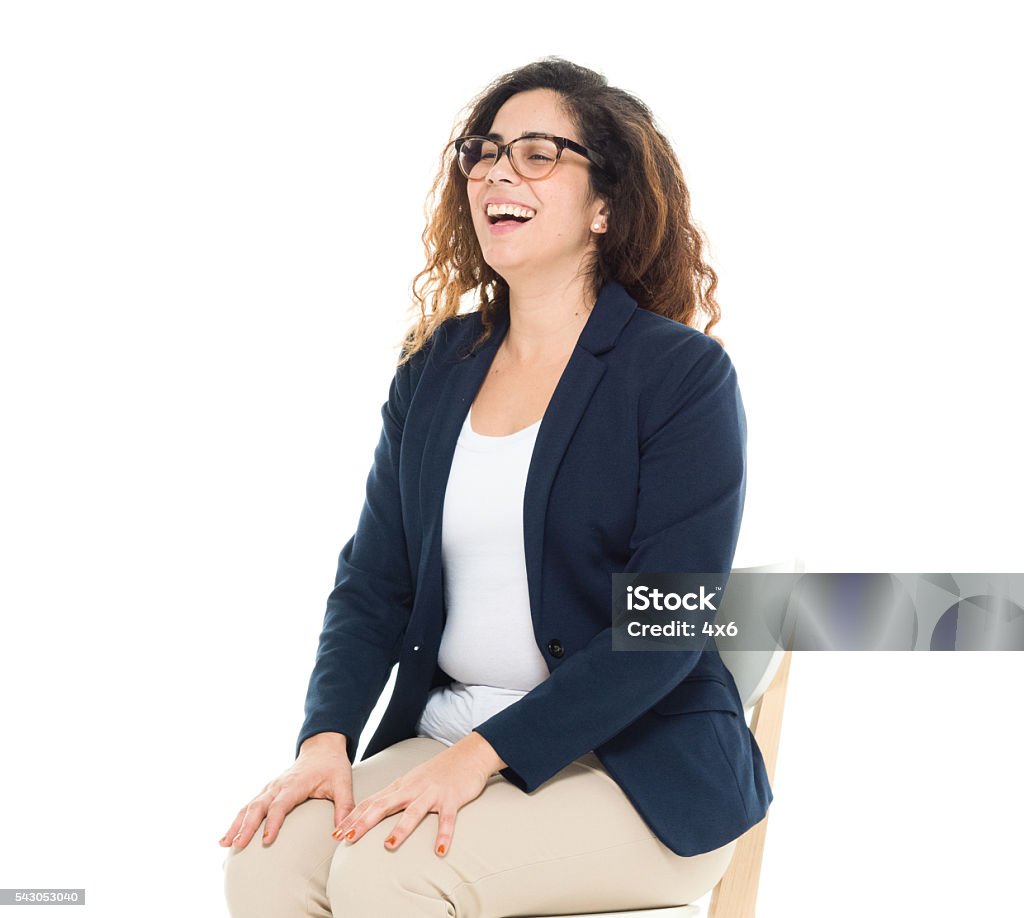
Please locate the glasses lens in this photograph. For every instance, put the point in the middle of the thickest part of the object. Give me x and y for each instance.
(533, 157)
(476, 156)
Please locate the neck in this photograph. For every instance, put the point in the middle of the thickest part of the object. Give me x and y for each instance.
(544, 323)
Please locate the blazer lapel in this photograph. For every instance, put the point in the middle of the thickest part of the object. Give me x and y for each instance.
(568, 402)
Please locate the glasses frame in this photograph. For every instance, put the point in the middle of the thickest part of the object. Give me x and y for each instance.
(562, 143)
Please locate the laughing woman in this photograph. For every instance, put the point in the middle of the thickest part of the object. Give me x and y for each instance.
(575, 424)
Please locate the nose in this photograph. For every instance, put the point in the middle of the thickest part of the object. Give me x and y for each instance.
(502, 168)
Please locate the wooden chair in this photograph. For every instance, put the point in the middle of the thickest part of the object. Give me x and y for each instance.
(761, 677)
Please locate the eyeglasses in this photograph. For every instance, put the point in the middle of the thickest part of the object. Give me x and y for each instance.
(533, 155)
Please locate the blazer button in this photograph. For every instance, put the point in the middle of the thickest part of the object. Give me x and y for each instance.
(555, 647)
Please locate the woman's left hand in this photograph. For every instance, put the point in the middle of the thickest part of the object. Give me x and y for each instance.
(443, 785)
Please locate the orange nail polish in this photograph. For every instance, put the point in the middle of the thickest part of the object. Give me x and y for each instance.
(350, 834)
(390, 840)
(440, 849)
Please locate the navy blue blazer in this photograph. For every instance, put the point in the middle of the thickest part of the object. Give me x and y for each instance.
(639, 464)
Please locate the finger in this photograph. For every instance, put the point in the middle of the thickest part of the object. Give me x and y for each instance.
(232, 831)
(357, 813)
(342, 811)
(280, 807)
(405, 826)
(363, 818)
(351, 818)
(345, 821)
(344, 801)
(254, 814)
(445, 831)
(228, 837)
(373, 811)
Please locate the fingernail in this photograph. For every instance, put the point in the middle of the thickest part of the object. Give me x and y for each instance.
(440, 849)
(390, 840)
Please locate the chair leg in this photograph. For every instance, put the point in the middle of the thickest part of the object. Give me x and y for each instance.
(735, 896)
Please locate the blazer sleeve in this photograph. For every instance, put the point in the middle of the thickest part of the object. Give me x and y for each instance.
(689, 505)
(369, 607)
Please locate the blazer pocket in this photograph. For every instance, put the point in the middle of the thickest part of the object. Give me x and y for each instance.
(698, 695)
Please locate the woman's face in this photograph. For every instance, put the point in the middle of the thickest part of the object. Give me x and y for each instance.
(554, 241)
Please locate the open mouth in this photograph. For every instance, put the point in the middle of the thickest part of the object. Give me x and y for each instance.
(507, 218)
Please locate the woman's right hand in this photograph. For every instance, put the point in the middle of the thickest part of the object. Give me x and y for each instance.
(322, 770)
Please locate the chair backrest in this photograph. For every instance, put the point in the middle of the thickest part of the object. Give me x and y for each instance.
(754, 670)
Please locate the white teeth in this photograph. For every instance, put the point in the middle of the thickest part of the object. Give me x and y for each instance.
(494, 210)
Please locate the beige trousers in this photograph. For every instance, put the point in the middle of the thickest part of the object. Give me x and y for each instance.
(576, 844)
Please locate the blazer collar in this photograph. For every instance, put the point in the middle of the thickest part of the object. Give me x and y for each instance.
(612, 310)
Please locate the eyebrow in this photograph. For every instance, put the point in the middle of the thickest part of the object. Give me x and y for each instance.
(500, 139)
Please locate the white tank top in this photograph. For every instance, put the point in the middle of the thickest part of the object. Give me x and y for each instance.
(487, 645)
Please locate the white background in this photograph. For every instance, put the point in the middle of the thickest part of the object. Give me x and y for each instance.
(210, 216)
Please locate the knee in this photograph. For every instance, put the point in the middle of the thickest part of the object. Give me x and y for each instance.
(368, 879)
(254, 891)
(252, 887)
(278, 879)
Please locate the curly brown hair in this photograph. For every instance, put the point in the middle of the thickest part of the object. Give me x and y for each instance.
(652, 246)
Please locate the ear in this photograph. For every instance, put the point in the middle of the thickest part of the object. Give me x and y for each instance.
(599, 214)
